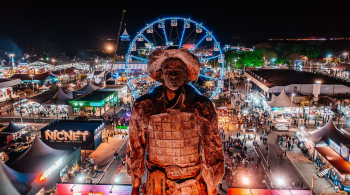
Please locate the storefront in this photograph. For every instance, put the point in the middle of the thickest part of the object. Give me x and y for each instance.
(93, 189)
(94, 103)
(68, 134)
(333, 163)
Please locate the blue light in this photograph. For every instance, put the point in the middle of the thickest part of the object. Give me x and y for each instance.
(150, 91)
(166, 38)
(190, 84)
(198, 43)
(142, 59)
(207, 77)
(143, 36)
(183, 32)
(180, 44)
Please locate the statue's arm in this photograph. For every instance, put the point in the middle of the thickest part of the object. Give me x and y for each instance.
(136, 144)
(213, 164)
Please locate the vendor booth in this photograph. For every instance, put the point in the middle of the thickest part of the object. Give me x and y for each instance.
(281, 124)
(282, 109)
(320, 137)
(41, 167)
(94, 103)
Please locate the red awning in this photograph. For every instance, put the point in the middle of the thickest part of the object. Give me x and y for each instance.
(335, 159)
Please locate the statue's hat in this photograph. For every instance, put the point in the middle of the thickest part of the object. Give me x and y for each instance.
(157, 58)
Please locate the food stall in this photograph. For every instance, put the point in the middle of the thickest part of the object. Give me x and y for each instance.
(281, 124)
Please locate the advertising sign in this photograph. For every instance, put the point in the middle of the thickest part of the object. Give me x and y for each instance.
(95, 193)
(334, 146)
(66, 139)
(344, 152)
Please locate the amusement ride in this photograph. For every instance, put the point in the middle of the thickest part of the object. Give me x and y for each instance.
(164, 33)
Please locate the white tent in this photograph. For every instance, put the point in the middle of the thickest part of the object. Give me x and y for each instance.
(282, 100)
(44, 87)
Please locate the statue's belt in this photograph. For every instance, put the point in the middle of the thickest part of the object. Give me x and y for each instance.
(174, 172)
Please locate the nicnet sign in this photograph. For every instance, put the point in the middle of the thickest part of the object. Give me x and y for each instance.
(69, 134)
(63, 139)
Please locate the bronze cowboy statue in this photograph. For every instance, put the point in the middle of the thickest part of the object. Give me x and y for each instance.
(175, 130)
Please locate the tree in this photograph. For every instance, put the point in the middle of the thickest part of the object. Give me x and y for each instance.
(81, 77)
(307, 101)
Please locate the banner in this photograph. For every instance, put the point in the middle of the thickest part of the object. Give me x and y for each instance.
(344, 152)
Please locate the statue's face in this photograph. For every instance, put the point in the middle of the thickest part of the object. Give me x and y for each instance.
(174, 74)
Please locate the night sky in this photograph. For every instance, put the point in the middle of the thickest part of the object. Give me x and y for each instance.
(72, 26)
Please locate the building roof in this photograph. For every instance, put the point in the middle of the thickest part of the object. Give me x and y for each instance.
(71, 70)
(89, 87)
(11, 128)
(341, 67)
(335, 159)
(60, 98)
(97, 95)
(73, 125)
(328, 131)
(37, 158)
(4, 82)
(40, 77)
(282, 100)
(43, 97)
(284, 77)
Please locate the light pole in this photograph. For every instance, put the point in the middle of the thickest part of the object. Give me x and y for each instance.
(32, 82)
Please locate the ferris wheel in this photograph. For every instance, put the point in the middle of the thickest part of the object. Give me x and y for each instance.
(178, 32)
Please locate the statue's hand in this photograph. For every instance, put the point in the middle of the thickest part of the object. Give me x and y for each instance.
(135, 191)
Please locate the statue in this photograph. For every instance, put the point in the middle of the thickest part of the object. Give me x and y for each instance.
(176, 130)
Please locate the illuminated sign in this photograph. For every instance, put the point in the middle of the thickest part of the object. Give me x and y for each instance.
(95, 193)
(334, 146)
(50, 170)
(344, 152)
(189, 46)
(71, 136)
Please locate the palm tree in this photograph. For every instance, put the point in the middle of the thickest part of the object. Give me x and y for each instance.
(341, 97)
(307, 101)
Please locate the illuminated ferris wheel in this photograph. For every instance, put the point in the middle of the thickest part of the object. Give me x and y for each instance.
(178, 32)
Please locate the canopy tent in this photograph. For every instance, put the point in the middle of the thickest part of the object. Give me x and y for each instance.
(329, 130)
(13, 182)
(89, 87)
(44, 87)
(70, 95)
(282, 100)
(99, 73)
(111, 79)
(60, 98)
(11, 128)
(36, 158)
(43, 97)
